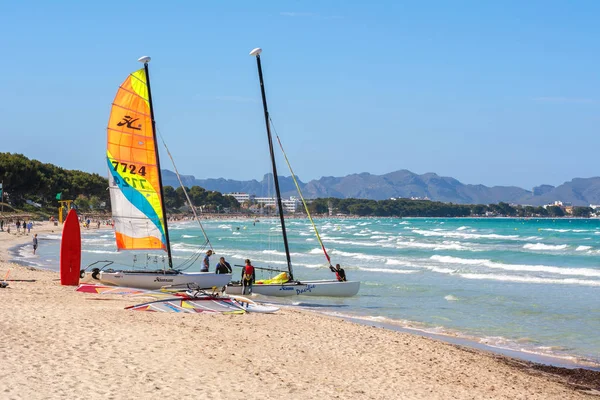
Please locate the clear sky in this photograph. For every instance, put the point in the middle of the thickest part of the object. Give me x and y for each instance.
(491, 92)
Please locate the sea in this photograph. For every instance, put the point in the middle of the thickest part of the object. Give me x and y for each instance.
(524, 287)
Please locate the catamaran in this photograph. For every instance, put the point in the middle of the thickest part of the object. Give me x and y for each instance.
(136, 192)
(288, 286)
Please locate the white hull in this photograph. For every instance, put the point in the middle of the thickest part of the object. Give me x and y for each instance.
(330, 288)
(156, 280)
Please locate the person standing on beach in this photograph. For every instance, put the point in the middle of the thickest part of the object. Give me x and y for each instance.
(1, 225)
(223, 267)
(206, 261)
(35, 243)
(18, 226)
(248, 277)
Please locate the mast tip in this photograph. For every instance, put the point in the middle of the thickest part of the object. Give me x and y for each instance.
(256, 51)
(144, 59)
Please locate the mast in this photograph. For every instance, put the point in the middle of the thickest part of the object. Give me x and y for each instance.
(146, 60)
(256, 52)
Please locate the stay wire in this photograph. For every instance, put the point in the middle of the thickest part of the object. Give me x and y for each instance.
(300, 193)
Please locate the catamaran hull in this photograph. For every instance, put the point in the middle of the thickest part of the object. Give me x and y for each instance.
(148, 280)
(304, 288)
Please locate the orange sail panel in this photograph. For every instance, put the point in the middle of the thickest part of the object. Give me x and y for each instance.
(136, 199)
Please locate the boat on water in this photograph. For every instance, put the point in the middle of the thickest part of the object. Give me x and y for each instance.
(136, 194)
(285, 285)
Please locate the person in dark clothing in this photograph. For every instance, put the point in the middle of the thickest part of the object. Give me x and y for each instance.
(223, 267)
(340, 274)
(206, 261)
(35, 243)
(248, 277)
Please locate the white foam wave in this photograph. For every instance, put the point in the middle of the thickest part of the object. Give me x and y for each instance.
(583, 248)
(529, 279)
(52, 237)
(359, 256)
(542, 246)
(99, 251)
(589, 272)
(446, 245)
(279, 253)
(389, 271)
(451, 298)
(189, 236)
(464, 235)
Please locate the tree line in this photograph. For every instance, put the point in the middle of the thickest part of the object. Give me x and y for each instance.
(426, 208)
(24, 179)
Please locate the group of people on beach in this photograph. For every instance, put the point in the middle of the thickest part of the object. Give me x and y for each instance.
(249, 272)
(19, 224)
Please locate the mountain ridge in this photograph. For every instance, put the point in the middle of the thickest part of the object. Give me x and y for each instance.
(404, 184)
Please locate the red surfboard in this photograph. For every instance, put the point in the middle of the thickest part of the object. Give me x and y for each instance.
(70, 250)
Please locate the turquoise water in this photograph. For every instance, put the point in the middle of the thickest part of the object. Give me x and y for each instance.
(531, 286)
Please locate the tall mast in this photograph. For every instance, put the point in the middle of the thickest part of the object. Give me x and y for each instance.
(256, 52)
(146, 60)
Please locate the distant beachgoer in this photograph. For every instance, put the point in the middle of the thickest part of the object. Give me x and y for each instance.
(223, 267)
(35, 243)
(248, 277)
(1, 225)
(206, 261)
(18, 226)
(29, 226)
(340, 274)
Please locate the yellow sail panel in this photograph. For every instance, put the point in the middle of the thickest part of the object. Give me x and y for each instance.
(137, 205)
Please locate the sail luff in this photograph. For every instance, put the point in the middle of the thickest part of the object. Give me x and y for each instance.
(160, 184)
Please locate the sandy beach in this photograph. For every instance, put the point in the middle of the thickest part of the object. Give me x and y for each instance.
(62, 344)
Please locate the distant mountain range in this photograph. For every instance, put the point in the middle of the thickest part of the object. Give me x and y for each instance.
(403, 183)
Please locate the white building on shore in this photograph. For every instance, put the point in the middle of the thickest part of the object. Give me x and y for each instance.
(242, 197)
(290, 205)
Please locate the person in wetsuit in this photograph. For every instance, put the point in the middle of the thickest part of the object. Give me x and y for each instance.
(223, 267)
(340, 274)
(248, 277)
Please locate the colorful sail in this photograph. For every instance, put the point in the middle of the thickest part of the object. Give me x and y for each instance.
(136, 200)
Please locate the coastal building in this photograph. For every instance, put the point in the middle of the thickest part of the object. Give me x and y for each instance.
(242, 197)
(290, 205)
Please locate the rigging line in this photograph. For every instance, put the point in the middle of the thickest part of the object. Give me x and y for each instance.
(185, 191)
(300, 192)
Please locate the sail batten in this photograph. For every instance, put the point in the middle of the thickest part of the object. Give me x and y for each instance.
(136, 198)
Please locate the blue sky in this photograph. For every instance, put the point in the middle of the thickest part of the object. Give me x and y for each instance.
(498, 93)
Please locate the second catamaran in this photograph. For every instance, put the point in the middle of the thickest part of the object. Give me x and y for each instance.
(291, 286)
(136, 191)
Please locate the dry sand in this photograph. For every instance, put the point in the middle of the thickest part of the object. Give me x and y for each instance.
(57, 343)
